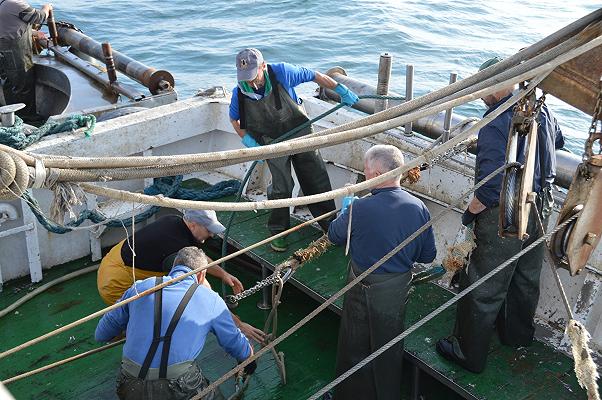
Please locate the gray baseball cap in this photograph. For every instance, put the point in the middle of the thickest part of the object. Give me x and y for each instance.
(207, 218)
(247, 63)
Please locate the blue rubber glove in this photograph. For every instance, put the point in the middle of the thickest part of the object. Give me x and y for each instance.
(347, 200)
(347, 96)
(248, 141)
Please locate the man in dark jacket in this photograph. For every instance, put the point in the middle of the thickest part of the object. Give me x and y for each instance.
(17, 81)
(373, 310)
(507, 300)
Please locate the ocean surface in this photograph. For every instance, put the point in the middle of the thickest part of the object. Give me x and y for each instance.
(197, 40)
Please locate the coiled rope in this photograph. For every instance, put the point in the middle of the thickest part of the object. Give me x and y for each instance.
(169, 187)
(16, 136)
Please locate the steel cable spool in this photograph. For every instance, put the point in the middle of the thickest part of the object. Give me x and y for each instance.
(560, 240)
(508, 206)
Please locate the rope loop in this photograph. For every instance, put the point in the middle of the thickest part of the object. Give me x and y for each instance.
(14, 176)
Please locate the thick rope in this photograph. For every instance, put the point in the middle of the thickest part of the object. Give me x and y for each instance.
(437, 311)
(505, 65)
(310, 142)
(425, 158)
(169, 186)
(63, 362)
(16, 137)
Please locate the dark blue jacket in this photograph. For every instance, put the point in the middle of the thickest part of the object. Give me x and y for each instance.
(491, 152)
(381, 222)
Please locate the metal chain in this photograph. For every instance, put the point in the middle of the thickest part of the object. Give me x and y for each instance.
(275, 277)
(454, 151)
(596, 116)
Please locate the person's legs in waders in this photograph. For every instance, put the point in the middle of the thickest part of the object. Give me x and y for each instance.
(373, 314)
(185, 386)
(280, 188)
(353, 346)
(17, 73)
(477, 312)
(313, 179)
(515, 320)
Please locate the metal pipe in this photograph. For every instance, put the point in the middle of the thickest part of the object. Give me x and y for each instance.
(265, 303)
(154, 80)
(382, 86)
(453, 77)
(409, 93)
(52, 28)
(94, 73)
(432, 126)
(109, 62)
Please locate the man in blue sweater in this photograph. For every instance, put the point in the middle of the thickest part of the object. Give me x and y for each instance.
(264, 107)
(508, 300)
(373, 310)
(160, 351)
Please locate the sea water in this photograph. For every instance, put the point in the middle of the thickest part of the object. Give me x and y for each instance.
(197, 40)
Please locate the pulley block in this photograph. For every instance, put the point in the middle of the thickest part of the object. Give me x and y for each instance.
(573, 245)
(517, 194)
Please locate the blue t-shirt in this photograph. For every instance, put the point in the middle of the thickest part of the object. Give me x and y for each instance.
(206, 312)
(379, 224)
(288, 75)
(491, 152)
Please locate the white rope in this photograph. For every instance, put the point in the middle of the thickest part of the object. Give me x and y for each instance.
(426, 157)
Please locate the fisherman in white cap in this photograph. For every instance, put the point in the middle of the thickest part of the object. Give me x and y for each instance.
(155, 247)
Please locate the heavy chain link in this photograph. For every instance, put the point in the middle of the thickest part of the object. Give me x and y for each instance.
(279, 274)
(592, 134)
(454, 151)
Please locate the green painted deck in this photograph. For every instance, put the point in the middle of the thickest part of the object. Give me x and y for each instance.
(537, 372)
(94, 376)
(534, 373)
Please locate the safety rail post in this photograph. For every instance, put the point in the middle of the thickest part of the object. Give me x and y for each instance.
(265, 303)
(409, 94)
(52, 28)
(382, 86)
(453, 77)
(107, 51)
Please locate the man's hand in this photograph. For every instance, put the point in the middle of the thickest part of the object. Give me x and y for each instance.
(249, 141)
(39, 35)
(347, 96)
(474, 208)
(347, 200)
(233, 282)
(252, 333)
(46, 8)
